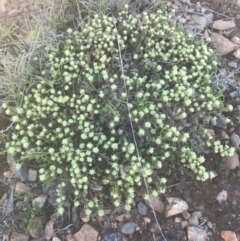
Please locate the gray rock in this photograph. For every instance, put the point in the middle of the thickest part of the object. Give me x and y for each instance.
(129, 228)
(39, 201)
(142, 209)
(112, 235)
(157, 204)
(186, 215)
(200, 22)
(75, 218)
(235, 140)
(21, 188)
(232, 162)
(193, 221)
(233, 64)
(51, 192)
(219, 123)
(32, 175)
(21, 173)
(222, 196)
(222, 45)
(15, 236)
(175, 206)
(196, 234)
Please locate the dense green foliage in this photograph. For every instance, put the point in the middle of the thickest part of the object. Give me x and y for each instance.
(75, 123)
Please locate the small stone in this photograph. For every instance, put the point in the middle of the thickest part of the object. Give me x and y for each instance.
(237, 53)
(129, 228)
(182, 20)
(157, 204)
(210, 225)
(196, 234)
(197, 214)
(222, 196)
(236, 40)
(120, 218)
(112, 235)
(8, 174)
(184, 224)
(36, 232)
(234, 202)
(70, 237)
(15, 236)
(13, 13)
(142, 209)
(49, 230)
(20, 173)
(222, 45)
(218, 122)
(32, 175)
(39, 201)
(229, 236)
(84, 217)
(201, 22)
(224, 135)
(235, 140)
(56, 239)
(193, 221)
(21, 188)
(86, 233)
(233, 64)
(175, 206)
(75, 218)
(232, 162)
(177, 220)
(223, 25)
(147, 219)
(186, 215)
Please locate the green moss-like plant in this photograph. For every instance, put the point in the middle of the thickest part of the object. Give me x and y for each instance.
(75, 123)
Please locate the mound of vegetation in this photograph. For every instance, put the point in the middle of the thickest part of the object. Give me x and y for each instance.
(116, 104)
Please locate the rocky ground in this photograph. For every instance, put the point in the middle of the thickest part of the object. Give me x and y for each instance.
(189, 210)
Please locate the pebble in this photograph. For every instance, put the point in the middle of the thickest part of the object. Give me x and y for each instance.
(19, 173)
(200, 22)
(237, 53)
(223, 25)
(229, 236)
(142, 209)
(8, 174)
(75, 218)
(193, 221)
(36, 232)
(84, 217)
(175, 206)
(49, 230)
(222, 45)
(177, 220)
(184, 224)
(13, 13)
(235, 140)
(32, 175)
(186, 215)
(56, 239)
(196, 234)
(232, 162)
(112, 235)
(120, 218)
(210, 225)
(21, 188)
(129, 228)
(222, 196)
(87, 232)
(236, 40)
(233, 64)
(157, 204)
(234, 202)
(39, 201)
(15, 236)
